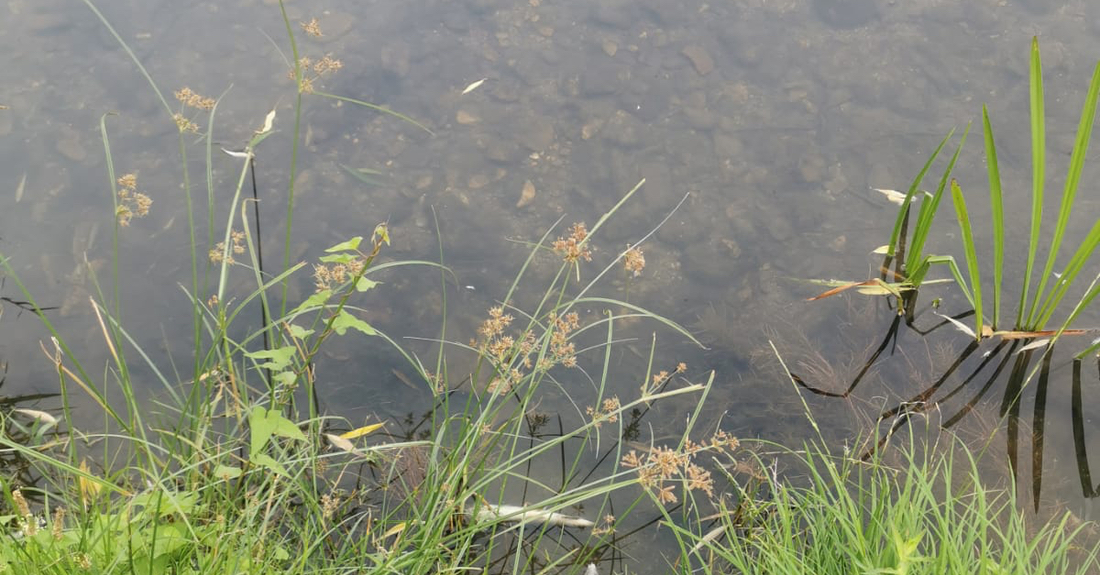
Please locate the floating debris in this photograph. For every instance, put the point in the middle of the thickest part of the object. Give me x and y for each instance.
(473, 86)
(527, 195)
(517, 514)
(21, 187)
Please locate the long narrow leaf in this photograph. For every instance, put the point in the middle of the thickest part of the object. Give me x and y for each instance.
(971, 253)
(1072, 269)
(904, 209)
(1038, 161)
(1076, 165)
(997, 207)
(928, 212)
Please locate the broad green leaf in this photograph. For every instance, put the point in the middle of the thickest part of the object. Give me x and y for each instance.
(227, 472)
(260, 430)
(265, 423)
(342, 258)
(285, 378)
(162, 503)
(315, 300)
(280, 357)
(284, 427)
(345, 320)
(365, 284)
(266, 461)
(350, 245)
(299, 332)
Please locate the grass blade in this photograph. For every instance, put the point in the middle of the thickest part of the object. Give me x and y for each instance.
(928, 212)
(996, 205)
(971, 253)
(904, 209)
(1038, 161)
(1076, 165)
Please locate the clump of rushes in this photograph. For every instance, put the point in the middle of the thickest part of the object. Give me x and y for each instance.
(821, 512)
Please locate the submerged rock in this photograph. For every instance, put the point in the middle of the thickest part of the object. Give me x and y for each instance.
(846, 14)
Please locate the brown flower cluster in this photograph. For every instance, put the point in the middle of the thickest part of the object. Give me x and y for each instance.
(330, 502)
(502, 349)
(218, 252)
(313, 28)
(607, 525)
(309, 70)
(608, 411)
(331, 276)
(634, 262)
(660, 378)
(562, 350)
(663, 467)
(131, 203)
(313, 70)
(512, 354)
(190, 99)
(573, 247)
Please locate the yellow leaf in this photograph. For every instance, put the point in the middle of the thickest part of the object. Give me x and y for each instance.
(360, 432)
(874, 290)
(394, 530)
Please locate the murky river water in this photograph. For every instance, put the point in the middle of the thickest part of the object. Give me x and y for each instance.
(773, 118)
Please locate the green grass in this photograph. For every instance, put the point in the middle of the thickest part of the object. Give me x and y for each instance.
(926, 512)
(235, 468)
(923, 505)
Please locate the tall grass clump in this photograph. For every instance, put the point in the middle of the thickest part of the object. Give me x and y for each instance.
(926, 510)
(924, 505)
